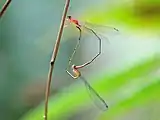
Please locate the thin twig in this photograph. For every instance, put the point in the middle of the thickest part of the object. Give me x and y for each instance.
(4, 8)
(53, 58)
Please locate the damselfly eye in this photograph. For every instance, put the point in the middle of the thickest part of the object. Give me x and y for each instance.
(73, 66)
(69, 17)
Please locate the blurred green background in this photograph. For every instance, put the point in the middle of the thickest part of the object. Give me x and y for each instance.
(126, 75)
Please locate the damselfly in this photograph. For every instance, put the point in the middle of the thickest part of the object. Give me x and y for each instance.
(88, 27)
(75, 68)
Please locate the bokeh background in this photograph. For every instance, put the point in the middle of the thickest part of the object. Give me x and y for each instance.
(126, 75)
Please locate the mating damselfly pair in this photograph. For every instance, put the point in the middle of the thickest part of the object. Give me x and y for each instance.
(75, 68)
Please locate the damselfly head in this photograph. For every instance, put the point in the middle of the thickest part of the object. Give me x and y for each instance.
(67, 21)
(69, 16)
(73, 66)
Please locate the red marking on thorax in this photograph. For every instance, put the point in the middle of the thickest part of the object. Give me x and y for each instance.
(75, 22)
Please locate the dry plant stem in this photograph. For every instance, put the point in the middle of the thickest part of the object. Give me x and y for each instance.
(4, 8)
(53, 58)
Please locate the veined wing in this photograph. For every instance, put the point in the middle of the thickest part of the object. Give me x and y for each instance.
(104, 32)
(102, 28)
(97, 99)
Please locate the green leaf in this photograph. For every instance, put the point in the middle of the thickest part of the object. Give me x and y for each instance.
(71, 98)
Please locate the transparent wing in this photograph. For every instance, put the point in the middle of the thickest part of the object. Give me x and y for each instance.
(102, 28)
(97, 99)
(104, 32)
